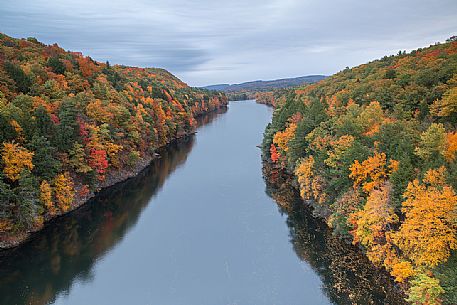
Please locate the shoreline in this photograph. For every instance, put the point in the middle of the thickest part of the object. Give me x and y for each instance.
(112, 178)
(287, 182)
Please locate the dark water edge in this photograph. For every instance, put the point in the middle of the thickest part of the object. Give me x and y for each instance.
(347, 274)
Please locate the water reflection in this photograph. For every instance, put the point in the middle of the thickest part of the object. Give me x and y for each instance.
(347, 275)
(68, 248)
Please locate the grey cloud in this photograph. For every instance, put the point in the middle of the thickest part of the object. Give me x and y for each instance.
(207, 41)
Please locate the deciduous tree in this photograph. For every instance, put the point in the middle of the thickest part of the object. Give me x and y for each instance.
(429, 232)
(63, 191)
(15, 158)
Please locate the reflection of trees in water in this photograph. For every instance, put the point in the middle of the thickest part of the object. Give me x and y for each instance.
(209, 117)
(348, 276)
(66, 250)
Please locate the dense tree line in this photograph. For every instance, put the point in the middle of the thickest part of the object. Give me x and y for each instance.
(373, 149)
(67, 122)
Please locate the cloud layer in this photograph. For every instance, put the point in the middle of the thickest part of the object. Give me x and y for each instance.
(207, 42)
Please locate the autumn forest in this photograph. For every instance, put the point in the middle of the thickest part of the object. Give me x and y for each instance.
(371, 151)
(70, 125)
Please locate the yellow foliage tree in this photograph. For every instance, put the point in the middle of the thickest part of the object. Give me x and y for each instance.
(18, 129)
(15, 158)
(402, 270)
(304, 173)
(447, 105)
(64, 191)
(371, 118)
(99, 111)
(338, 148)
(46, 197)
(375, 218)
(429, 231)
(112, 151)
(311, 186)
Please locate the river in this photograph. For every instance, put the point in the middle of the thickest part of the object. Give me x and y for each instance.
(197, 227)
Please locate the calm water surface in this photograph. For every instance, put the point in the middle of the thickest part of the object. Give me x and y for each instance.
(195, 228)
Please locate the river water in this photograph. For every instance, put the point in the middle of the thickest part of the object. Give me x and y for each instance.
(197, 227)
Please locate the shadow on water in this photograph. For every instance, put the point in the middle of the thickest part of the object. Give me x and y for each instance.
(68, 248)
(347, 275)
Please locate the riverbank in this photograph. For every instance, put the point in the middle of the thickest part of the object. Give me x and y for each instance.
(359, 145)
(113, 177)
(342, 265)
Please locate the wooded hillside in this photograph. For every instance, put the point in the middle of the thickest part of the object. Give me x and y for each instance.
(70, 125)
(373, 149)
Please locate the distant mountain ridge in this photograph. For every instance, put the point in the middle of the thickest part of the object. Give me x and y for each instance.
(260, 85)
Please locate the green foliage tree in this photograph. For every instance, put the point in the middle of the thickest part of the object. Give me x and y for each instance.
(7, 204)
(425, 290)
(44, 159)
(56, 65)
(27, 203)
(22, 80)
(390, 74)
(78, 159)
(432, 145)
(68, 129)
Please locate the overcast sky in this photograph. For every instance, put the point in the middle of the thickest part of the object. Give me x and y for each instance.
(207, 42)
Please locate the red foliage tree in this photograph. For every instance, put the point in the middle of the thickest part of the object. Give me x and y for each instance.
(274, 155)
(99, 162)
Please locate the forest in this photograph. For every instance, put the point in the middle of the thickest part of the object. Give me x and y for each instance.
(70, 125)
(373, 151)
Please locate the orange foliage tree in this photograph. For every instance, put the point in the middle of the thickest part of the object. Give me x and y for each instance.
(451, 146)
(282, 138)
(372, 172)
(274, 155)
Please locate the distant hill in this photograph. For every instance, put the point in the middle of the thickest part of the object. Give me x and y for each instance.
(260, 85)
(218, 87)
